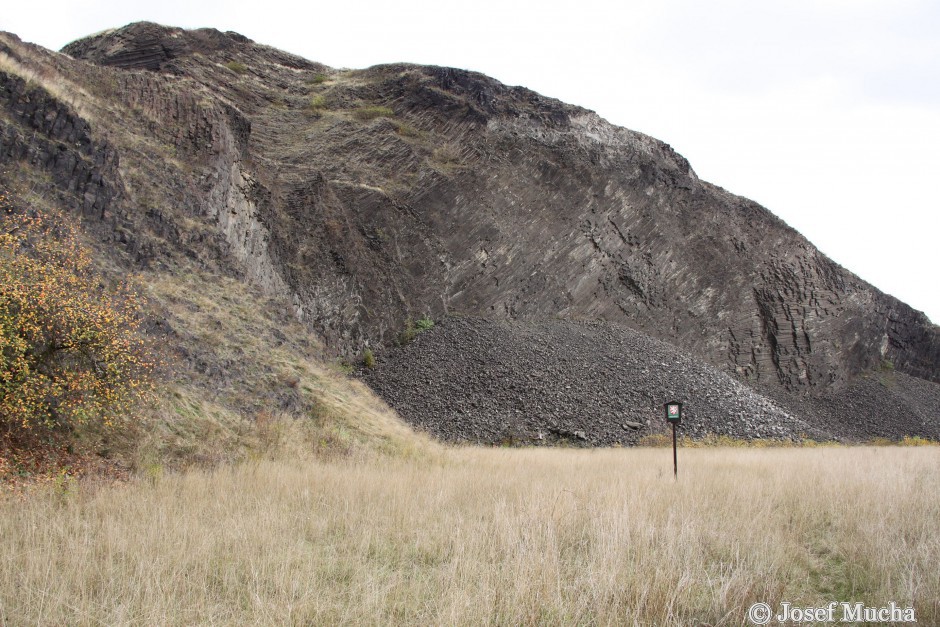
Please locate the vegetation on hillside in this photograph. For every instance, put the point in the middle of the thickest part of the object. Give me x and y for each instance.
(412, 329)
(372, 112)
(70, 346)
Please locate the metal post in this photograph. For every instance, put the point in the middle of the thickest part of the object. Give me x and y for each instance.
(675, 458)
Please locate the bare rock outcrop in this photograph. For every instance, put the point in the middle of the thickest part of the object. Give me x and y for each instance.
(367, 198)
(47, 134)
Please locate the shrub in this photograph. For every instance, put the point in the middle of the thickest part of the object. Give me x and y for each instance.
(343, 367)
(424, 323)
(916, 441)
(235, 66)
(318, 79)
(371, 113)
(368, 359)
(407, 334)
(412, 329)
(70, 351)
(317, 103)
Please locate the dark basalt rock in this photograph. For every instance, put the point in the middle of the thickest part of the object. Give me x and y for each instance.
(600, 384)
(148, 46)
(50, 136)
(368, 198)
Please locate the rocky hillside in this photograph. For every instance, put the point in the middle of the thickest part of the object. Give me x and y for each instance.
(366, 198)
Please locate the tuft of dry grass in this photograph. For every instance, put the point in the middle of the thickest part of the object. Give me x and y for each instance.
(482, 536)
(372, 112)
(237, 67)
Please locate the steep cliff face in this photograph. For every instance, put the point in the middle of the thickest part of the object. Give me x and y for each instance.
(45, 133)
(372, 197)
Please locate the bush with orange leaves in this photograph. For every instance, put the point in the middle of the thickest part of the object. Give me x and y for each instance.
(70, 348)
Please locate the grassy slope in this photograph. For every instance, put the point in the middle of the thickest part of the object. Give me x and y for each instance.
(244, 380)
(483, 537)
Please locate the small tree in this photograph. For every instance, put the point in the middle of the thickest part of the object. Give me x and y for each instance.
(70, 351)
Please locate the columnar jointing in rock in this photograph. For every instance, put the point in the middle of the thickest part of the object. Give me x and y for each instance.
(369, 198)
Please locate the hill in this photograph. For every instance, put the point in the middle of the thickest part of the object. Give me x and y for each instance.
(269, 200)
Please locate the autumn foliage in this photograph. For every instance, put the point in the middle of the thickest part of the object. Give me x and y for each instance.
(70, 347)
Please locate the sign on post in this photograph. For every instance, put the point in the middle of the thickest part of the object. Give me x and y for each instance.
(674, 412)
(674, 417)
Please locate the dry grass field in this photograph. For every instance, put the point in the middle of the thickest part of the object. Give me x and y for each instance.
(481, 536)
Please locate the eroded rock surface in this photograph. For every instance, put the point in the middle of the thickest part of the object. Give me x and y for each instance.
(367, 198)
(458, 193)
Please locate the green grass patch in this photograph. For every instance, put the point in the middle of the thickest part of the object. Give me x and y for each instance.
(317, 103)
(235, 66)
(371, 113)
(424, 323)
(412, 329)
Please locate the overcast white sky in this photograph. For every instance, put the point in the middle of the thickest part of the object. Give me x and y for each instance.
(827, 112)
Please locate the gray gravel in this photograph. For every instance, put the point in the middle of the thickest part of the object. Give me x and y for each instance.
(550, 382)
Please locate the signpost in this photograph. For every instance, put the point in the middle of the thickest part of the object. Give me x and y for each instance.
(674, 417)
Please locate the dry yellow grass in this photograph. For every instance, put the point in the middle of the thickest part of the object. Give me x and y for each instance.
(56, 84)
(476, 536)
(233, 328)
